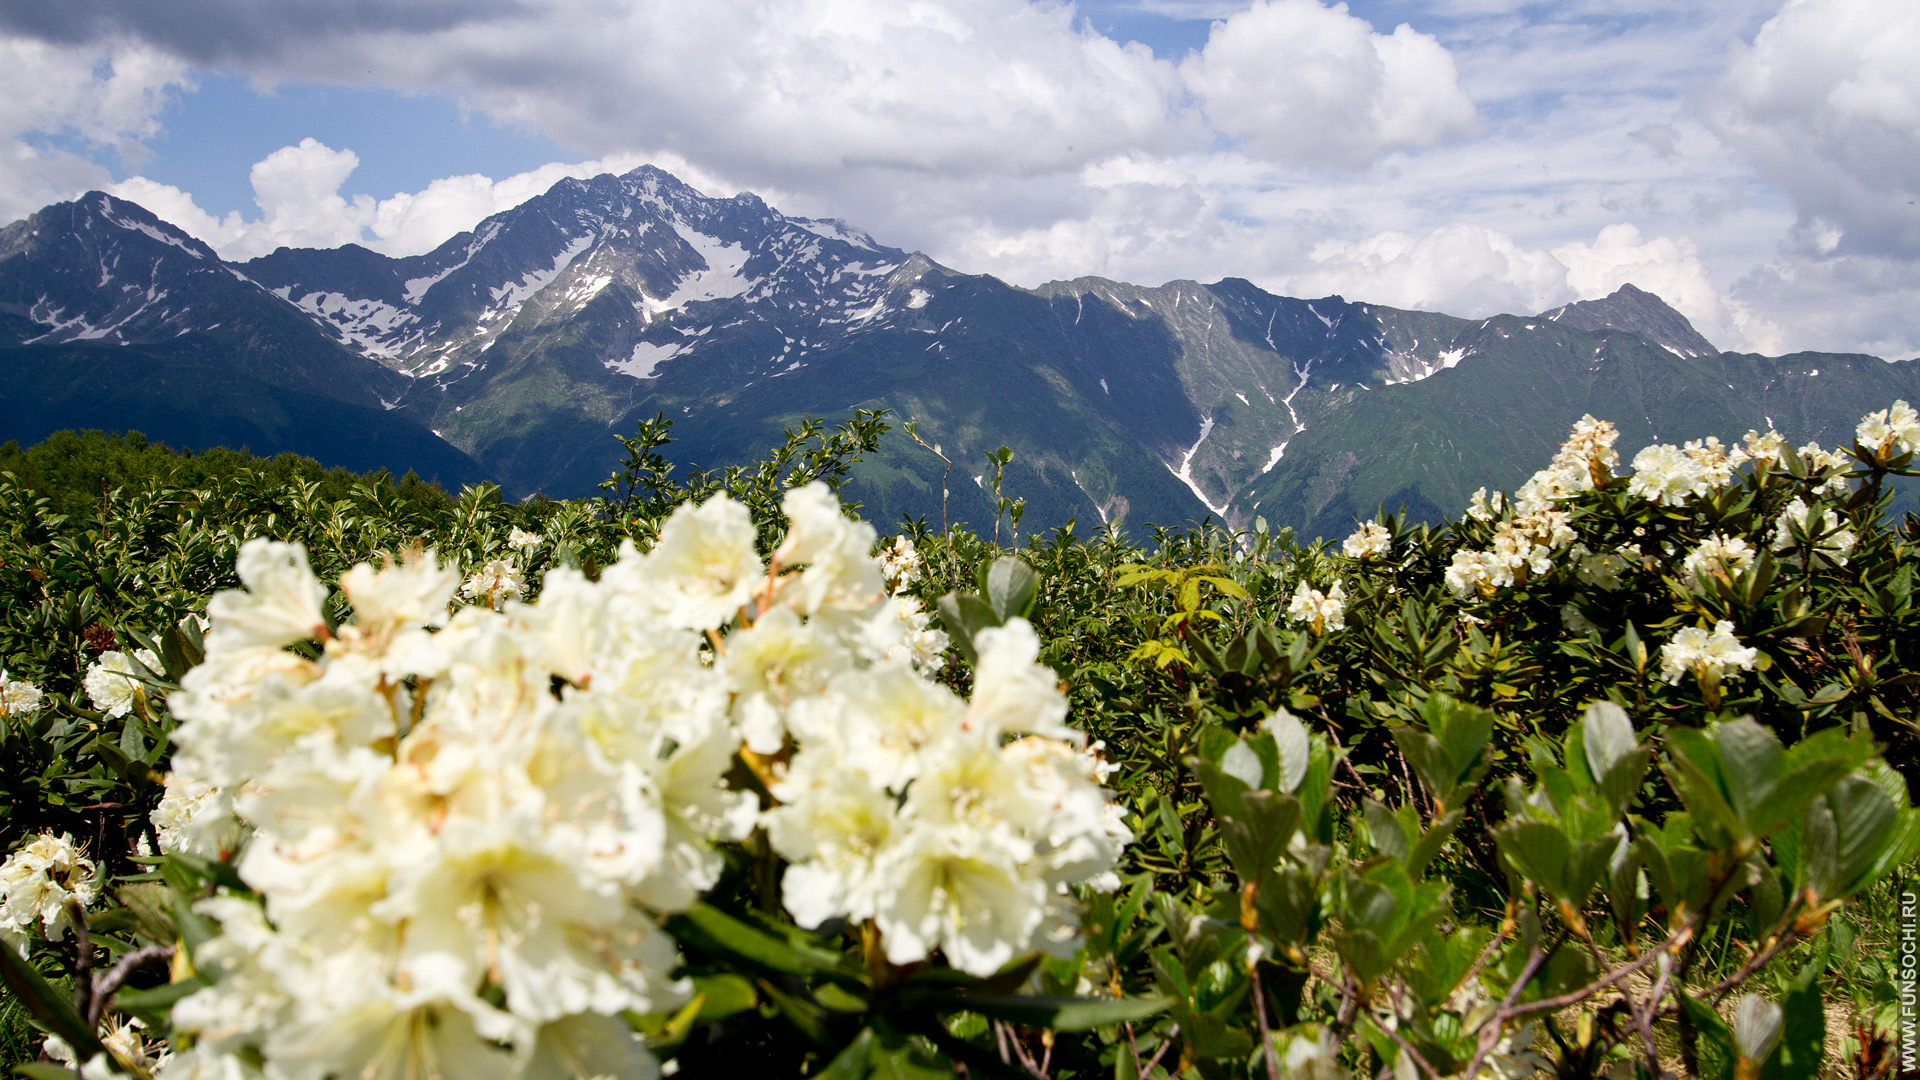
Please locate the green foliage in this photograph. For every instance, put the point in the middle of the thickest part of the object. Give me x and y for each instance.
(1461, 831)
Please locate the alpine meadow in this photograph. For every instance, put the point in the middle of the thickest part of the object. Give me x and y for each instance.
(313, 774)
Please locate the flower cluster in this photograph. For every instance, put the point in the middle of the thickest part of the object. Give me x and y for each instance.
(1819, 527)
(1708, 656)
(1370, 541)
(1585, 461)
(112, 682)
(465, 829)
(1323, 611)
(1717, 556)
(17, 697)
(36, 882)
(953, 825)
(1891, 431)
(1521, 545)
(1529, 530)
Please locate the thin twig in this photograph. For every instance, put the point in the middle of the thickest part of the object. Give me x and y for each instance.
(1172, 1034)
(109, 983)
(1490, 1030)
(1431, 1072)
(1260, 1010)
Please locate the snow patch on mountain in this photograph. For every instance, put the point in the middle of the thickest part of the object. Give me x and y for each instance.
(835, 230)
(368, 324)
(141, 226)
(508, 298)
(1185, 472)
(721, 279)
(646, 357)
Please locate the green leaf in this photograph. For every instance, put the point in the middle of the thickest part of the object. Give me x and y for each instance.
(1750, 760)
(159, 1000)
(1803, 1040)
(1295, 748)
(707, 926)
(1011, 588)
(51, 1008)
(1715, 1043)
(1757, 1024)
(1255, 837)
(1058, 1013)
(852, 1062)
(1539, 850)
(1607, 736)
(725, 994)
(965, 615)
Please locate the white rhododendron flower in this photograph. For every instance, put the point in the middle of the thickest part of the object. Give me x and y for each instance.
(1470, 572)
(521, 540)
(1716, 464)
(702, 569)
(1821, 526)
(1667, 476)
(1369, 541)
(1717, 556)
(111, 681)
(279, 606)
(1707, 655)
(1891, 431)
(1485, 508)
(900, 563)
(1575, 620)
(494, 584)
(1763, 449)
(466, 830)
(195, 817)
(123, 1039)
(1601, 569)
(17, 698)
(1829, 467)
(1586, 460)
(36, 882)
(1323, 611)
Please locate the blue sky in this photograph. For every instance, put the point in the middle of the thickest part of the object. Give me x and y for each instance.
(1757, 162)
(211, 136)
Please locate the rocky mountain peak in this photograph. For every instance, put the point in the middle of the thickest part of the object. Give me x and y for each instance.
(1637, 312)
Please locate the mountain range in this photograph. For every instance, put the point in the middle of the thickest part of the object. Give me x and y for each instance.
(515, 352)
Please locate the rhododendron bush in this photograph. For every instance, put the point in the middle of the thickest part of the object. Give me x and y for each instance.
(1609, 776)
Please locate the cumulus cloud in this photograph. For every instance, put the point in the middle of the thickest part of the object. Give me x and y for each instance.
(103, 95)
(955, 86)
(1296, 81)
(1664, 265)
(1475, 271)
(1460, 269)
(1298, 146)
(1826, 104)
(297, 189)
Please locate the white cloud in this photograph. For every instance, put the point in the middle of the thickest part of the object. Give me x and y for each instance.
(1663, 265)
(1295, 81)
(297, 189)
(1300, 147)
(1826, 103)
(103, 95)
(1462, 269)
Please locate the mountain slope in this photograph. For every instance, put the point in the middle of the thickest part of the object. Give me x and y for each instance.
(528, 342)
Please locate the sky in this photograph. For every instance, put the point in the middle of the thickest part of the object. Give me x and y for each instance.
(1755, 162)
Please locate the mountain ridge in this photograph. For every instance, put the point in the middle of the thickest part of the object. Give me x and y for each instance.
(524, 344)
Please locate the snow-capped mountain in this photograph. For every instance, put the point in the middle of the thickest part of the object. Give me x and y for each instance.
(526, 343)
(645, 241)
